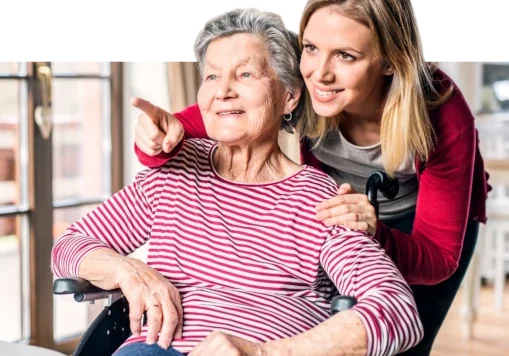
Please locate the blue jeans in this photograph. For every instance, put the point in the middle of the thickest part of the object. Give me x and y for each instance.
(433, 302)
(143, 349)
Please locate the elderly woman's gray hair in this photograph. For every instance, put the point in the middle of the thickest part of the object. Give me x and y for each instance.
(282, 46)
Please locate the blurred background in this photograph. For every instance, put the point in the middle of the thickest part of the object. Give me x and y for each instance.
(66, 144)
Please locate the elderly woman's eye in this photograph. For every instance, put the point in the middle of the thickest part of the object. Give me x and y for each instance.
(210, 77)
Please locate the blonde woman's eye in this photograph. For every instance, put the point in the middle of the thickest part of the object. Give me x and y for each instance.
(310, 48)
(346, 57)
(245, 75)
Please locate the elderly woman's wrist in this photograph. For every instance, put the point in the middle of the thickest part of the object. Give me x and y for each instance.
(274, 348)
(103, 267)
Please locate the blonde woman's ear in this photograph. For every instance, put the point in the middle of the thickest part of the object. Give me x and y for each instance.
(388, 69)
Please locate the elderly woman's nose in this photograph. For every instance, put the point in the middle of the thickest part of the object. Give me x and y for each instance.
(224, 89)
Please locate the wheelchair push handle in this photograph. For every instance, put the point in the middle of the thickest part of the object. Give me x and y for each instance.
(380, 181)
(389, 187)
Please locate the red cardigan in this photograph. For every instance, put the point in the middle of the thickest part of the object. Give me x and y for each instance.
(452, 190)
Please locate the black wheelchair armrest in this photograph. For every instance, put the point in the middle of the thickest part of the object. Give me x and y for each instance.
(82, 289)
(111, 327)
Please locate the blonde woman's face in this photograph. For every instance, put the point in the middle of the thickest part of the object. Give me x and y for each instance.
(339, 65)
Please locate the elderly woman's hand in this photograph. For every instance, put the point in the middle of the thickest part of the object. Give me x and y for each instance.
(220, 343)
(156, 129)
(146, 289)
(349, 209)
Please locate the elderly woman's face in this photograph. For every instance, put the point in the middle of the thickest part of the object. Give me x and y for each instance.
(240, 98)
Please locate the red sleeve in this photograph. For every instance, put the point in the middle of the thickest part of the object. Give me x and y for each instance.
(192, 121)
(431, 254)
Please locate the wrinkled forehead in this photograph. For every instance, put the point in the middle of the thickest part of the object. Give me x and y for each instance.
(238, 50)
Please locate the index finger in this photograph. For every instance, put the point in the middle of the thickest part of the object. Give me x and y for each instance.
(342, 199)
(147, 107)
(329, 203)
(135, 314)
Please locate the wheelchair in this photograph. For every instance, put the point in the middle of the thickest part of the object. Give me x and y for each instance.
(111, 327)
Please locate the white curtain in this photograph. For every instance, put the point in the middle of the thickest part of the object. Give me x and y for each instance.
(183, 84)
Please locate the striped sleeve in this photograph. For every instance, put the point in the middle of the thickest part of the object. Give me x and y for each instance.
(360, 268)
(122, 223)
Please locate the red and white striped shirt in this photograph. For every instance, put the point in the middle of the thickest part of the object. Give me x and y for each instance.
(248, 259)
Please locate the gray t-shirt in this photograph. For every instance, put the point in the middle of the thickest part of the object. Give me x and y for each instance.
(348, 163)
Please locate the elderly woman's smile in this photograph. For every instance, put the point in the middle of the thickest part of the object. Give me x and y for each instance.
(230, 112)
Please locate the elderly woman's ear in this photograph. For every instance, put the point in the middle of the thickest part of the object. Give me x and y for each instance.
(292, 100)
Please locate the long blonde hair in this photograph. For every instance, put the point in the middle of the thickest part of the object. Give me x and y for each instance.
(405, 126)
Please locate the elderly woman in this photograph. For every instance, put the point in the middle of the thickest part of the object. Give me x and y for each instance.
(237, 263)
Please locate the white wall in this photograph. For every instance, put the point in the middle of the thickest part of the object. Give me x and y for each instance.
(146, 80)
(468, 77)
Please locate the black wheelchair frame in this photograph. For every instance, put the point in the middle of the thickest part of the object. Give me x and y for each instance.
(111, 327)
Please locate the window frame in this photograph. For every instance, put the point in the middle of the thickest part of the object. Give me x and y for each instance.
(37, 245)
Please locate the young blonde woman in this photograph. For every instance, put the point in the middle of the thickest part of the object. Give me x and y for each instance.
(374, 103)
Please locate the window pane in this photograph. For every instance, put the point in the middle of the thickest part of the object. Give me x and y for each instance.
(95, 68)
(71, 318)
(81, 143)
(9, 142)
(9, 67)
(10, 277)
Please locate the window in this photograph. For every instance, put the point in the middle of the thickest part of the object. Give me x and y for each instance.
(46, 184)
(495, 83)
